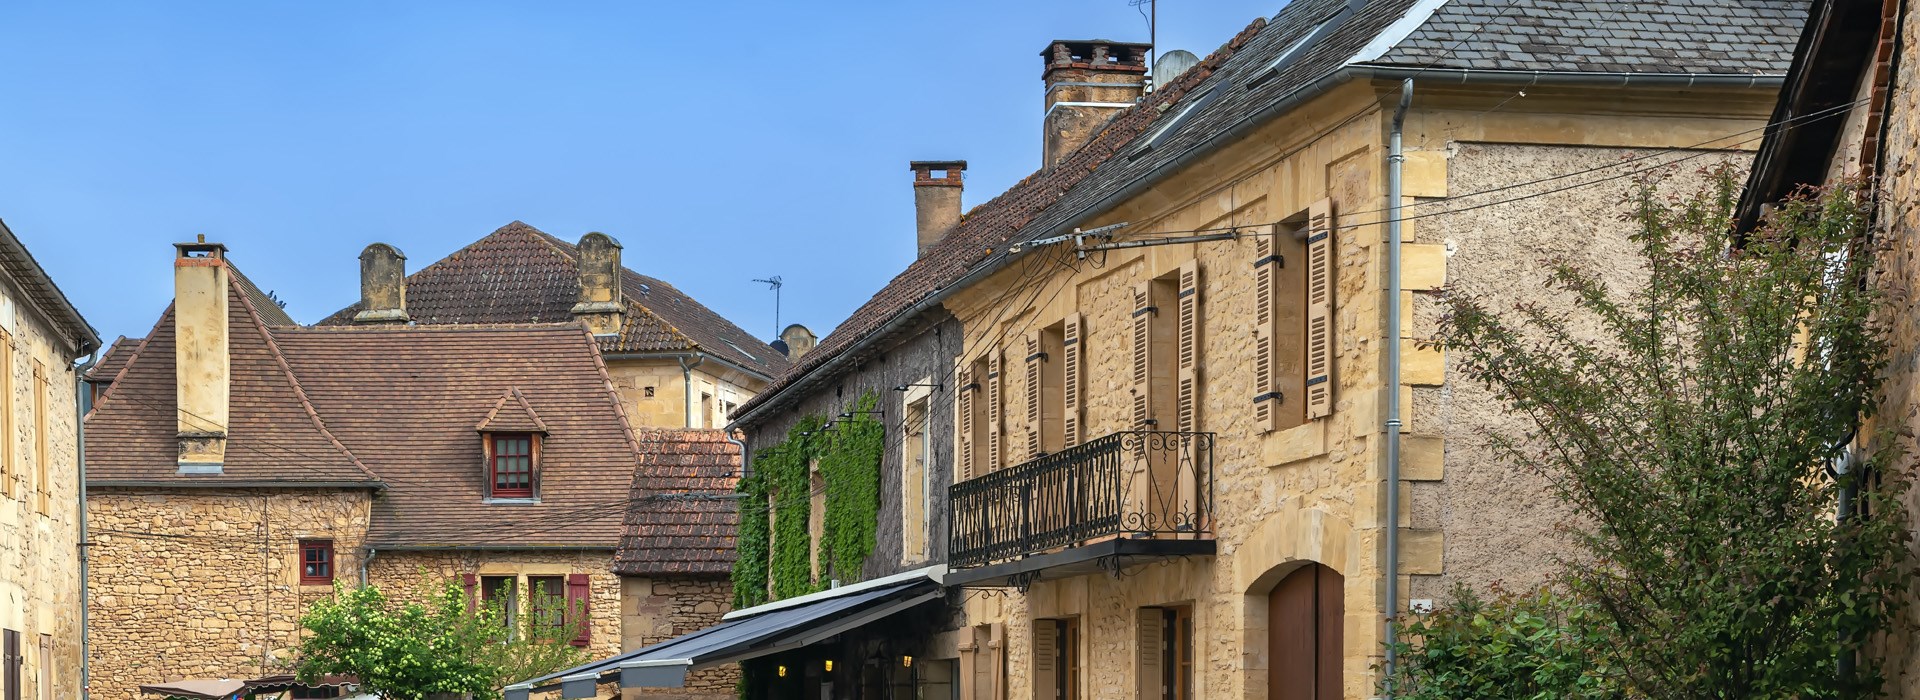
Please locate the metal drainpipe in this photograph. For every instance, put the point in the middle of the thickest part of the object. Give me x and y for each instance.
(83, 401)
(1395, 159)
(745, 470)
(364, 562)
(686, 381)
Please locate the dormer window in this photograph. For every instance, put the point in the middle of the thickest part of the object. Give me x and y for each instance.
(510, 439)
(511, 471)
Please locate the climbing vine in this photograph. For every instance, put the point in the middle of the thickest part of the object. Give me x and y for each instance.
(775, 543)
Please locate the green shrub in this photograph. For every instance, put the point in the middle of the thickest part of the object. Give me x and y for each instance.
(1537, 646)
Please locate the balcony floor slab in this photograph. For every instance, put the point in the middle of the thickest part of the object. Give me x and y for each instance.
(1091, 558)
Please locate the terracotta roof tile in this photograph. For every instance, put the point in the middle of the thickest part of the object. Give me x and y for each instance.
(682, 516)
(520, 274)
(511, 414)
(113, 360)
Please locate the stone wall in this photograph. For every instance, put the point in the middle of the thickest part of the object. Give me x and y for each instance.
(653, 391)
(927, 353)
(655, 609)
(39, 523)
(205, 583)
(415, 575)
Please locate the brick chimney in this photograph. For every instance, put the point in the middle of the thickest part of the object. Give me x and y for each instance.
(1087, 83)
(799, 341)
(936, 198)
(601, 306)
(202, 366)
(383, 285)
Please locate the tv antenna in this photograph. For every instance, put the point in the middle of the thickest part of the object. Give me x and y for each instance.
(1152, 16)
(774, 284)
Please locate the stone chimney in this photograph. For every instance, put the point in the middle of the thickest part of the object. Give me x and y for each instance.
(601, 306)
(799, 341)
(202, 367)
(936, 200)
(1087, 83)
(383, 285)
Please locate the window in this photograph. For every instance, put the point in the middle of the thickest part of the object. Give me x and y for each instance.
(497, 592)
(706, 410)
(316, 562)
(547, 602)
(1056, 658)
(9, 469)
(1293, 320)
(511, 471)
(970, 411)
(916, 455)
(1165, 646)
(42, 454)
(816, 516)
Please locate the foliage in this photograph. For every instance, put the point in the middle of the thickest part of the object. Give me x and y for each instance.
(775, 541)
(1691, 420)
(1523, 647)
(851, 469)
(408, 650)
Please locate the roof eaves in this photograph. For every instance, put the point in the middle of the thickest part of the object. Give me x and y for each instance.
(22, 265)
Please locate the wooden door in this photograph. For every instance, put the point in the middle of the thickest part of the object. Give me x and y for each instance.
(1304, 620)
(13, 661)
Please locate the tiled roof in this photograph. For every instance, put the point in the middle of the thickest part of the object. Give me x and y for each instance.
(406, 400)
(41, 293)
(683, 520)
(273, 433)
(983, 230)
(113, 359)
(1696, 36)
(403, 407)
(511, 414)
(1268, 65)
(520, 274)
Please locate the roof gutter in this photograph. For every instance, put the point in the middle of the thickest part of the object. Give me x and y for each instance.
(252, 483)
(1239, 129)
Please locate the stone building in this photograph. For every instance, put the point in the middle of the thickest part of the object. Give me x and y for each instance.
(243, 466)
(1849, 97)
(41, 337)
(676, 363)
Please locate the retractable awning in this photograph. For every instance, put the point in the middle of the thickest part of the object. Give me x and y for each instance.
(742, 635)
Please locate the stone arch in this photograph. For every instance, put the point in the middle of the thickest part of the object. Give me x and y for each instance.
(1283, 543)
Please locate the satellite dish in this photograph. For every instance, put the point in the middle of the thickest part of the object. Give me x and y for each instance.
(1171, 64)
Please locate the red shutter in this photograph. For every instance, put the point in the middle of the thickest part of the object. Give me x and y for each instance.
(472, 583)
(577, 594)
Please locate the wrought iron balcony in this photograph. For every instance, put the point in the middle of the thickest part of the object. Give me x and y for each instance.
(1125, 486)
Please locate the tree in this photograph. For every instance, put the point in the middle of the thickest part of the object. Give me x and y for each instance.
(410, 650)
(1693, 421)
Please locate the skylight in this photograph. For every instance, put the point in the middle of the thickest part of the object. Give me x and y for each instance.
(1193, 107)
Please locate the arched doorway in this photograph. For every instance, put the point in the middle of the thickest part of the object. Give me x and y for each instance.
(1304, 620)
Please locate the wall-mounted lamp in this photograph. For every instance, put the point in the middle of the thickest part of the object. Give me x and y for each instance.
(906, 661)
(783, 671)
(829, 665)
(904, 387)
(849, 414)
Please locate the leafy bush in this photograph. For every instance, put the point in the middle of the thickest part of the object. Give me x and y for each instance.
(408, 650)
(1538, 646)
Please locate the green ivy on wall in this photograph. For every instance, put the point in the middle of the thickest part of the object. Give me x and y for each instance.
(776, 552)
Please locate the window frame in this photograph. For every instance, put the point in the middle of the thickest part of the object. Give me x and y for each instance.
(328, 560)
(494, 455)
(544, 610)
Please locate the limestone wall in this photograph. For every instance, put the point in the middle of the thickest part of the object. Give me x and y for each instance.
(205, 583)
(655, 609)
(39, 504)
(654, 392)
(415, 575)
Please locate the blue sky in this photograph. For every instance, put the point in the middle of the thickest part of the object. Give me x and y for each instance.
(719, 141)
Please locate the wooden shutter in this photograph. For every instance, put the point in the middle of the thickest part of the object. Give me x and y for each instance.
(1142, 346)
(14, 658)
(472, 583)
(1266, 273)
(1033, 394)
(578, 592)
(997, 636)
(1150, 644)
(963, 405)
(996, 423)
(1188, 387)
(1329, 593)
(1046, 659)
(1070, 347)
(1319, 296)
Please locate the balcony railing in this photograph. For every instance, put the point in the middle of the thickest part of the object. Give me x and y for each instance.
(1136, 484)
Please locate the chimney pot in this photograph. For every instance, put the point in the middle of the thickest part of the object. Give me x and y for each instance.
(1088, 81)
(600, 306)
(383, 285)
(937, 185)
(202, 366)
